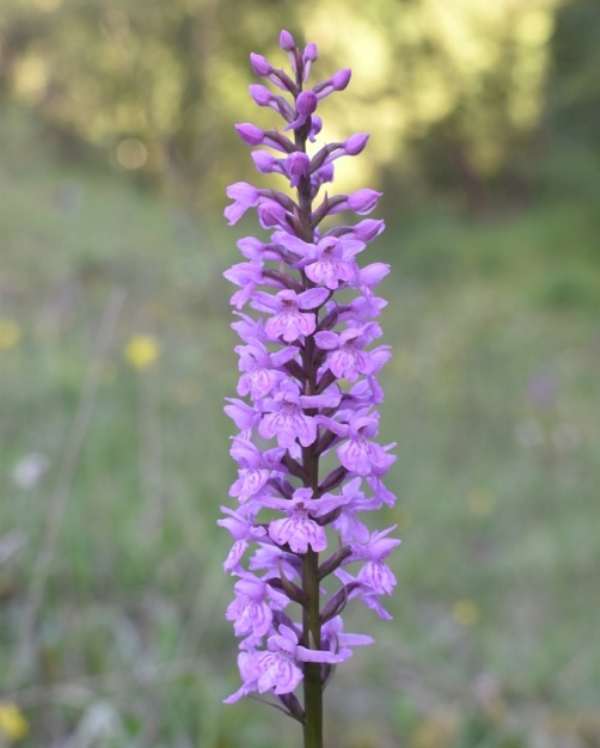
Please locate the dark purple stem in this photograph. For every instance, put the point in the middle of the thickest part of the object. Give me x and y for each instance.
(311, 617)
(334, 562)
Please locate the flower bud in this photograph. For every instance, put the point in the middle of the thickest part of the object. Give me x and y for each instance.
(363, 201)
(261, 94)
(356, 143)
(372, 274)
(286, 41)
(309, 56)
(368, 229)
(243, 192)
(324, 174)
(297, 166)
(306, 103)
(259, 64)
(264, 162)
(249, 133)
(341, 79)
(311, 53)
(316, 125)
(271, 214)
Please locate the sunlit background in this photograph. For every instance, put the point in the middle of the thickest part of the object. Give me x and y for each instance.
(116, 143)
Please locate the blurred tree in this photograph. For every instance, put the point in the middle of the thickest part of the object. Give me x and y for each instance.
(574, 82)
(450, 91)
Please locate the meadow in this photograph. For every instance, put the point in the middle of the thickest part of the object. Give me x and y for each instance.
(115, 357)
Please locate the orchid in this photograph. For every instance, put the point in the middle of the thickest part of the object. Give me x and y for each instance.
(307, 390)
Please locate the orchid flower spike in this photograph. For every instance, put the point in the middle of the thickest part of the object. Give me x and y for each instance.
(309, 359)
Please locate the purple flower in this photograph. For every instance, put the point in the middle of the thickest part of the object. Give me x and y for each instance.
(310, 55)
(368, 229)
(243, 531)
(263, 97)
(298, 529)
(316, 125)
(266, 671)
(371, 275)
(337, 82)
(306, 103)
(251, 611)
(244, 196)
(286, 420)
(332, 261)
(347, 357)
(358, 453)
(260, 65)
(250, 134)
(337, 640)
(374, 573)
(247, 275)
(271, 213)
(308, 391)
(290, 319)
(277, 669)
(361, 202)
(249, 483)
(356, 143)
(286, 41)
(261, 369)
(266, 163)
(274, 560)
(255, 468)
(364, 593)
(296, 166)
(244, 416)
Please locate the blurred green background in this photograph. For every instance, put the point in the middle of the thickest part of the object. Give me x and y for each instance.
(116, 142)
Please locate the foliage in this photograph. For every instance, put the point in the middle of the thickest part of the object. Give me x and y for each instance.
(455, 88)
(492, 396)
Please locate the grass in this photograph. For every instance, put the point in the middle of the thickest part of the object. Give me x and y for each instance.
(492, 396)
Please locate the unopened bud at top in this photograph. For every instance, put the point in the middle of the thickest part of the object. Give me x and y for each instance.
(310, 52)
(309, 55)
(260, 65)
(286, 41)
(337, 82)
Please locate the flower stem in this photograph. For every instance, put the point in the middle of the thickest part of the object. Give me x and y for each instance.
(313, 687)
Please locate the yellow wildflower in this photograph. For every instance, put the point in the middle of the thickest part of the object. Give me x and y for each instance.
(466, 612)
(142, 351)
(13, 724)
(10, 334)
